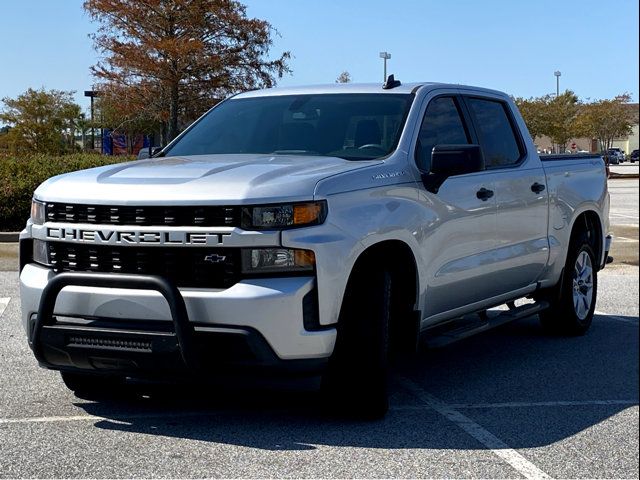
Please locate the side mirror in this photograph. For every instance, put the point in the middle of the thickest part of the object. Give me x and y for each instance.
(451, 160)
(155, 151)
(148, 152)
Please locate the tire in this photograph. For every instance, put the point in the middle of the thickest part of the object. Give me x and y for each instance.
(356, 380)
(573, 300)
(93, 386)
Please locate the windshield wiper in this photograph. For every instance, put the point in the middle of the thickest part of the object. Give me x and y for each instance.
(295, 152)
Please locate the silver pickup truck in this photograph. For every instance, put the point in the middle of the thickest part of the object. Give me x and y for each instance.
(316, 230)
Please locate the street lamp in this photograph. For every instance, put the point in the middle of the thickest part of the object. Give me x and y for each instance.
(385, 56)
(557, 74)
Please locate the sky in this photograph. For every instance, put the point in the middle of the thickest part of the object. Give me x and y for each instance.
(514, 46)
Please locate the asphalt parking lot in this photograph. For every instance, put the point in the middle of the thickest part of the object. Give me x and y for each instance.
(512, 402)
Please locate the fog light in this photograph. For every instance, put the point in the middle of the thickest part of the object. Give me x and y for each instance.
(277, 260)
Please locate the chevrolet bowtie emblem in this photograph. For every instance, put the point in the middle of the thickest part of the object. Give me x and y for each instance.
(215, 258)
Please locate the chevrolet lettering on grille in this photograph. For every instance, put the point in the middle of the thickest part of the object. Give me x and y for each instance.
(111, 237)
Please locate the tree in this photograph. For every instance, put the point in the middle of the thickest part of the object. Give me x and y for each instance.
(83, 125)
(179, 57)
(344, 77)
(4, 147)
(534, 112)
(561, 118)
(122, 111)
(42, 121)
(606, 120)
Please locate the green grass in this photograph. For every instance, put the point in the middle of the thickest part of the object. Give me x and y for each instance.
(20, 176)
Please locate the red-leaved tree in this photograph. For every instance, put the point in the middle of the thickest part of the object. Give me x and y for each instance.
(170, 60)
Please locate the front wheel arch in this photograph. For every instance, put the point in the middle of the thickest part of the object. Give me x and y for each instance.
(397, 258)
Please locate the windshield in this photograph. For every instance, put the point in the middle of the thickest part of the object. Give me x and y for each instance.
(351, 126)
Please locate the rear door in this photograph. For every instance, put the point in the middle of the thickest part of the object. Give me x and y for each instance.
(520, 191)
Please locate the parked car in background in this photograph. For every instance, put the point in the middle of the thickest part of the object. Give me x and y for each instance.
(610, 158)
(617, 153)
(634, 156)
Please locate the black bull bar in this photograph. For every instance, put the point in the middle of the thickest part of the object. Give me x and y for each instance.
(184, 331)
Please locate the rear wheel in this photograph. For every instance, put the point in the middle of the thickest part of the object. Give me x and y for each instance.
(357, 376)
(573, 302)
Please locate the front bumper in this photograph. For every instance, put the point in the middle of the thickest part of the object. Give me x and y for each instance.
(152, 351)
(128, 327)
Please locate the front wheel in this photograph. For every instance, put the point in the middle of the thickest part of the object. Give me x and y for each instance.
(357, 376)
(574, 303)
(92, 386)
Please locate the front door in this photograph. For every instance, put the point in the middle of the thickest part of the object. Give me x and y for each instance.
(457, 233)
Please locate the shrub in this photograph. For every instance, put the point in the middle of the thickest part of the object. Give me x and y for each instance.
(19, 177)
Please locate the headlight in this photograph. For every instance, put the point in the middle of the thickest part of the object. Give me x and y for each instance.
(37, 212)
(40, 252)
(284, 216)
(277, 260)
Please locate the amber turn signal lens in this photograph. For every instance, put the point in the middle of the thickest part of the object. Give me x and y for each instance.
(306, 213)
(304, 258)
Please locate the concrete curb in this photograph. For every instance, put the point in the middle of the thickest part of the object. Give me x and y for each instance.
(623, 175)
(9, 237)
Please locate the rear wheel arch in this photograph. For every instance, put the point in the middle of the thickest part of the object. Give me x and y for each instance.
(588, 224)
(579, 280)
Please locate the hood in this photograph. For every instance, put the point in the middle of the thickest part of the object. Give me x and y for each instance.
(202, 179)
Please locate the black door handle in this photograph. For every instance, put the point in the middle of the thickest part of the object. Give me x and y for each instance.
(537, 187)
(484, 194)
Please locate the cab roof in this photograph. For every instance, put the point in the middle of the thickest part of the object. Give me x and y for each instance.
(336, 88)
(331, 88)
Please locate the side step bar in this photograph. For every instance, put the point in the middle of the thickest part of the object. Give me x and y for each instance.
(453, 331)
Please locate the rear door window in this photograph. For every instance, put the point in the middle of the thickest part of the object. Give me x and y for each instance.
(497, 135)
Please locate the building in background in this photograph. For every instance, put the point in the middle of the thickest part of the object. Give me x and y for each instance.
(630, 143)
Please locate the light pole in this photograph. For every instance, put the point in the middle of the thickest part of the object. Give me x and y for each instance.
(385, 56)
(93, 94)
(557, 74)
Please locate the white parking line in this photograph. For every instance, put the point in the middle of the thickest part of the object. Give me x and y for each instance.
(630, 321)
(614, 225)
(488, 439)
(635, 217)
(114, 418)
(73, 418)
(3, 304)
(585, 403)
(560, 403)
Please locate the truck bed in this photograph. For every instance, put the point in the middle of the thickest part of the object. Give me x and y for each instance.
(554, 157)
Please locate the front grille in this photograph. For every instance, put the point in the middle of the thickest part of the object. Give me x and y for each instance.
(180, 216)
(186, 267)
